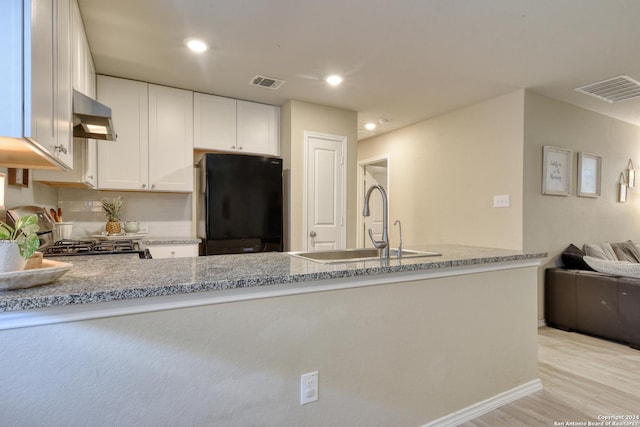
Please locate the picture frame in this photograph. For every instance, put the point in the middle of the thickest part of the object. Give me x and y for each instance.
(18, 177)
(557, 164)
(622, 189)
(589, 175)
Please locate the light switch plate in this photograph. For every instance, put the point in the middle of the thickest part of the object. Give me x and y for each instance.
(502, 201)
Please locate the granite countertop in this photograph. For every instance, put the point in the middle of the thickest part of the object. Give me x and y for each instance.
(121, 277)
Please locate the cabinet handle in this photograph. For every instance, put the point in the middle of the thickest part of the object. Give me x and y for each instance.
(60, 149)
(233, 147)
(240, 148)
(90, 177)
(153, 186)
(144, 185)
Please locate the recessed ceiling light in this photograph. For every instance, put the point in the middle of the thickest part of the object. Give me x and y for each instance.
(196, 45)
(334, 80)
(370, 126)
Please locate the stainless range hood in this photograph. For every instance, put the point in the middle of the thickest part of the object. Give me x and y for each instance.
(91, 119)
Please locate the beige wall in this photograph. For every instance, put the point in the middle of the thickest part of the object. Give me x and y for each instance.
(551, 223)
(387, 355)
(444, 172)
(298, 117)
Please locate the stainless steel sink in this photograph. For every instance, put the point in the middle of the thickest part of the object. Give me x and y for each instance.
(355, 255)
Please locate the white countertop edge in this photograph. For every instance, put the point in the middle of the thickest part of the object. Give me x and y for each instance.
(72, 313)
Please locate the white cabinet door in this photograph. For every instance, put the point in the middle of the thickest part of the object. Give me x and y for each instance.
(225, 124)
(257, 128)
(51, 78)
(42, 76)
(35, 80)
(123, 164)
(81, 54)
(214, 126)
(63, 94)
(173, 251)
(170, 139)
(85, 152)
(154, 146)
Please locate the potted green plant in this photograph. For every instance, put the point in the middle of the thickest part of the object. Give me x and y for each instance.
(18, 243)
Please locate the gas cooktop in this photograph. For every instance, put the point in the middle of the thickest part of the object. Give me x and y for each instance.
(94, 247)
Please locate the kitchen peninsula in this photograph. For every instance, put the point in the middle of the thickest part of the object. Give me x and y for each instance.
(224, 340)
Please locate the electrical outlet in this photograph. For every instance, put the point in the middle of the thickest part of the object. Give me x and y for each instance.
(502, 201)
(309, 387)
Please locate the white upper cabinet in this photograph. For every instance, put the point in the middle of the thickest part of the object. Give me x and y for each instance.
(258, 128)
(225, 124)
(214, 125)
(123, 164)
(35, 80)
(84, 75)
(170, 139)
(154, 146)
(85, 152)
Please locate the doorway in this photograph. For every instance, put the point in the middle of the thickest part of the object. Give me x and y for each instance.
(324, 204)
(371, 172)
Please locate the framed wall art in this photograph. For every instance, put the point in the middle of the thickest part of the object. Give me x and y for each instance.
(589, 171)
(556, 171)
(18, 177)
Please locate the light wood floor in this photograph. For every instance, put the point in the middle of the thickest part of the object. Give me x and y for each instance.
(583, 377)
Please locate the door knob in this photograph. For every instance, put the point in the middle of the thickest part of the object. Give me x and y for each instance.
(312, 234)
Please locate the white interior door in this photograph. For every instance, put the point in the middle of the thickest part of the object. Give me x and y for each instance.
(325, 193)
(374, 174)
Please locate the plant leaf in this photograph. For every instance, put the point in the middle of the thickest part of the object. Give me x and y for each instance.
(5, 231)
(31, 245)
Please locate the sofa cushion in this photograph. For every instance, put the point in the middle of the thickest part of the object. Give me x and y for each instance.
(615, 268)
(573, 258)
(600, 250)
(626, 251)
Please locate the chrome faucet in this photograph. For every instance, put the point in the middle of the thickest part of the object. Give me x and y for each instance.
(399, 224)
(384, 243)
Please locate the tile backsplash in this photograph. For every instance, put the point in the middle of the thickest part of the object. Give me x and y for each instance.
(159, 214)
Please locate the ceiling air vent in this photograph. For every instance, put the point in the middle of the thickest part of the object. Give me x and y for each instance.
(612, 90)
(268, 82)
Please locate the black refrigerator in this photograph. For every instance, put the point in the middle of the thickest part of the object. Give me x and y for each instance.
(239, 204)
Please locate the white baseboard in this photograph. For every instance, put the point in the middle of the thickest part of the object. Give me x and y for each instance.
(481, 408)
(541, 323)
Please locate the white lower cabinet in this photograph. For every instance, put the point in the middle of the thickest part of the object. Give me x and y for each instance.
(225, 124)
(173, 251)
(154, 145)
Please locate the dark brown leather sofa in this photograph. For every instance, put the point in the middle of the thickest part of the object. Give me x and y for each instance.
(594, 303)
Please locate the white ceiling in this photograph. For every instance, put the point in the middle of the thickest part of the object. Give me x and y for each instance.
(403, 60)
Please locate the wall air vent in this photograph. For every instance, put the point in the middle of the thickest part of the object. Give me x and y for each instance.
(268, 82)
(612, 90)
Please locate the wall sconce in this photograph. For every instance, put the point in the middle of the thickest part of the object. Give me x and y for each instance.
(622, 189)
(631, 175)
